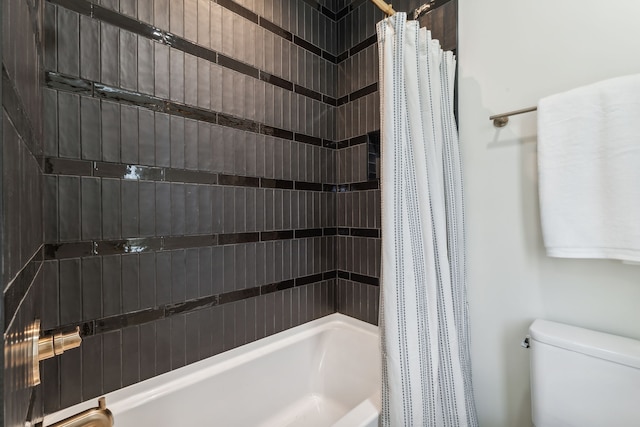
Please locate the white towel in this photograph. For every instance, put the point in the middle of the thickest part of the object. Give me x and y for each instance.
(589, 170)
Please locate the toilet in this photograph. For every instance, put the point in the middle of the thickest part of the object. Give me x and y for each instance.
(583, 378)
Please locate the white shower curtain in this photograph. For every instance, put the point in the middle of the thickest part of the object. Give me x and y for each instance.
(423, 316)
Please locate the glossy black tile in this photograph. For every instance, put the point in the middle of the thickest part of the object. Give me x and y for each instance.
(233, 296)
(276, 183)
(238, 66)
(371, 40)
(113, 93)
(194, 113)
(276, 235)
(303, 234)
(276, 81)
(363, 92)
(182, 242)
(364, 279)
(115, 323)
(190, 48)
(367, 185)
(301, 281)
(68, 250)
(279, 286)
(116, 19)
(238, 123)
(278, 133)
(239, 9)
(308, 186)
(308, 139)
(192, 305)
(308, 92)
(238, 181)
(195, 177)
(365, 232)
(329, 275)
(229, 239)
(306, 45)
(66, 83)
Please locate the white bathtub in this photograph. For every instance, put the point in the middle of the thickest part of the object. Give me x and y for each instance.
(322, 373)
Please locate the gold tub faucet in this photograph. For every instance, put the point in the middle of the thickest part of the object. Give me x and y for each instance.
(94, 417)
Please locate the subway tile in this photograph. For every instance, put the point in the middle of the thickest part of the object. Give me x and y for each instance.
(128, 60)
(177, 142)
(178, 276)
(229, 326)
(91, 355)
(176, 74)
(163, 278)
(69, 125)
(50, 295)
(147, 348)
(69, 211)
(111, 209)
(129, 134)
(112, 361)
(191, 80)
(130, 355)
(130, 208)
(163, 346)
(178, 341)
(91, 288)
(192, 337)
(71, 387)
(130, 283)
(111, 285)
(109, 68)
(146, 208)
(68, 25)
(147, 280)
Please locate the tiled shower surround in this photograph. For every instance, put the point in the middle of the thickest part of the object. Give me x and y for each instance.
(210, 178)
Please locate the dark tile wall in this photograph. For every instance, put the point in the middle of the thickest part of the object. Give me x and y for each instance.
(210, 178)
(189, 184)
(21, 202)
(357, 133)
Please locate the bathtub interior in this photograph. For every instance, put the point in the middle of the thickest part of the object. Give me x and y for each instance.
(323, 373)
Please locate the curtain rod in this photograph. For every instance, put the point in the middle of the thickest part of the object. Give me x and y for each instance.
(417, 12)
(385, 7)
(500, 120)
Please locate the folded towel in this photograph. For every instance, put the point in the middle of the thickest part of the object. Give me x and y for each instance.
(589, 170)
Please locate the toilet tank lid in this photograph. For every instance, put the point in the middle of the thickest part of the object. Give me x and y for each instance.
(625, 351)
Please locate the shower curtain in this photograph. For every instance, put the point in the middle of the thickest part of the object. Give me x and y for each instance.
(426, 367)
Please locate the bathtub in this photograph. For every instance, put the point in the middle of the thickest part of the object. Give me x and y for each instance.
(323, 373)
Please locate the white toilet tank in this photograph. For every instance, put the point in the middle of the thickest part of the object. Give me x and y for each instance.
(583, 378)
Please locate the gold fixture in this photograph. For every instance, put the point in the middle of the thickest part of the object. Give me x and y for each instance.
(57, 344)
(386, 8)
(29, 349)
(94, 417)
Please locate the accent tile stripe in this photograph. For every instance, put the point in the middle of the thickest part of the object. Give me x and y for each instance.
(161, 36)
(113, 323)
(166, 243)
(71, 84)
(74, 167)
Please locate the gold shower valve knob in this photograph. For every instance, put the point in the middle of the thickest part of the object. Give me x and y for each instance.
(57, 344)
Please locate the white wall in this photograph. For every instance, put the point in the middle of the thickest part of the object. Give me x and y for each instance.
(512, 53)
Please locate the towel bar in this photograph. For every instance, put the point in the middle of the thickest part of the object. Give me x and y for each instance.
(501, 120)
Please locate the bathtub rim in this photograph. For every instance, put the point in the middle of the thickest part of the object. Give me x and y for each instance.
(136, 394)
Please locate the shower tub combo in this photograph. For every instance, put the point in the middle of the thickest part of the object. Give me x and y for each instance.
(323, 373)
